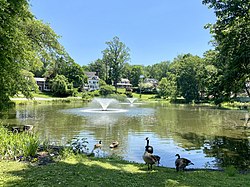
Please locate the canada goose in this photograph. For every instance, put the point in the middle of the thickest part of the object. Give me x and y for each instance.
(114, 144)
(148, 147)
(151, 159)
(148, 157)
(181, 163)
(98, 145)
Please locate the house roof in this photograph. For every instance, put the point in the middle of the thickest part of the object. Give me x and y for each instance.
(90, 74)
(123, 84)
(40, 79)
(125, 80)
(152, 80)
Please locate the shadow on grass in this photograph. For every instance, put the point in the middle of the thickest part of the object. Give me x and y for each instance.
(83, 171)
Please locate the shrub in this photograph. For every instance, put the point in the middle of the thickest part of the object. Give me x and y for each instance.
(17, 145)
(106, 90)
(61, 86)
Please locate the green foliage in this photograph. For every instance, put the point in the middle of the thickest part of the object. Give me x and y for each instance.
(115, 56)
(65, 65)
(61, 87)
(17, 145)
(231, 34)
(158, 70)
(136, 71)
(106, 90)
(167, 86)
(186, 68)
(231, 171)
(102, 82)
(27, 45)
(14, 48)
(99, 66)
(87, 96)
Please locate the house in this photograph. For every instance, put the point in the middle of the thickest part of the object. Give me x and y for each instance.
(93, 81)
(154, 82)
(124, 83)
(42, 84)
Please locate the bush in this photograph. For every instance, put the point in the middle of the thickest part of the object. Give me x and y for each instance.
(17, 145)
(106, 90)
(61, 86)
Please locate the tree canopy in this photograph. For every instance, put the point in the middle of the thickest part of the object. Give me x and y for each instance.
(115, 56)
(25, 43)
(231, 34)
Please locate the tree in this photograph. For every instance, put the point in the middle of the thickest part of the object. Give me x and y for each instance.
(65, 65)
(115, 55)
(231, 33)
(167, 86)
(185, 67)
(74, 73)
(106, 90)
(99, 67)
(136, 72)
(61, 87)
(157, 71)
(13, 47)
(25, 45)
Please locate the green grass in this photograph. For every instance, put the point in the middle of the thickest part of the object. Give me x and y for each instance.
(83, 171)
(43, 95)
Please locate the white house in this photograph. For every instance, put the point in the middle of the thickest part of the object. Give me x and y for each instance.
(93, 81)
(154, 82)
(42, 84)
(124, 83)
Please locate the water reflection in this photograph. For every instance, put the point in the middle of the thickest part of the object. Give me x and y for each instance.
(209, 137)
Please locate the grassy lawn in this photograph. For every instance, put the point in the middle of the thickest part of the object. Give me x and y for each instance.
(84, 171)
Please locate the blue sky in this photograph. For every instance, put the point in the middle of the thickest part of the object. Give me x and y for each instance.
(154, 31)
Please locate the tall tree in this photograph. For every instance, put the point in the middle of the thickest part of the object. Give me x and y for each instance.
(115, 56)
(186, 67)
(25, 44)
(99, 67)
(136, 72)
(65, 65)
(232, 40)
(15, 49)
(167, 86)
(157, 71)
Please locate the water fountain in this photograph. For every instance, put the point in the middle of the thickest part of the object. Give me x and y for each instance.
(105, 104)
(131, 99)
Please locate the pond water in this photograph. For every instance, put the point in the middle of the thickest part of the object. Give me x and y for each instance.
(209, 137)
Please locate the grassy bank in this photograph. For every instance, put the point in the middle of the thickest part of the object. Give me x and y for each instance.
(84, 171)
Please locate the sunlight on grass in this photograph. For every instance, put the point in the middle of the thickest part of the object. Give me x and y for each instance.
(5, 171)
(131, 168)
(101, 164)
(106, 165)
(84, 171)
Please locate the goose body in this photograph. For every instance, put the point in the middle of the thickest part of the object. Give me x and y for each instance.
(148, 157)
(98, 145)
(114, 144)
(151, 159)
(182, 163)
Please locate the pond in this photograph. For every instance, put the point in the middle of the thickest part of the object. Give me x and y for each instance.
(210, 138)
